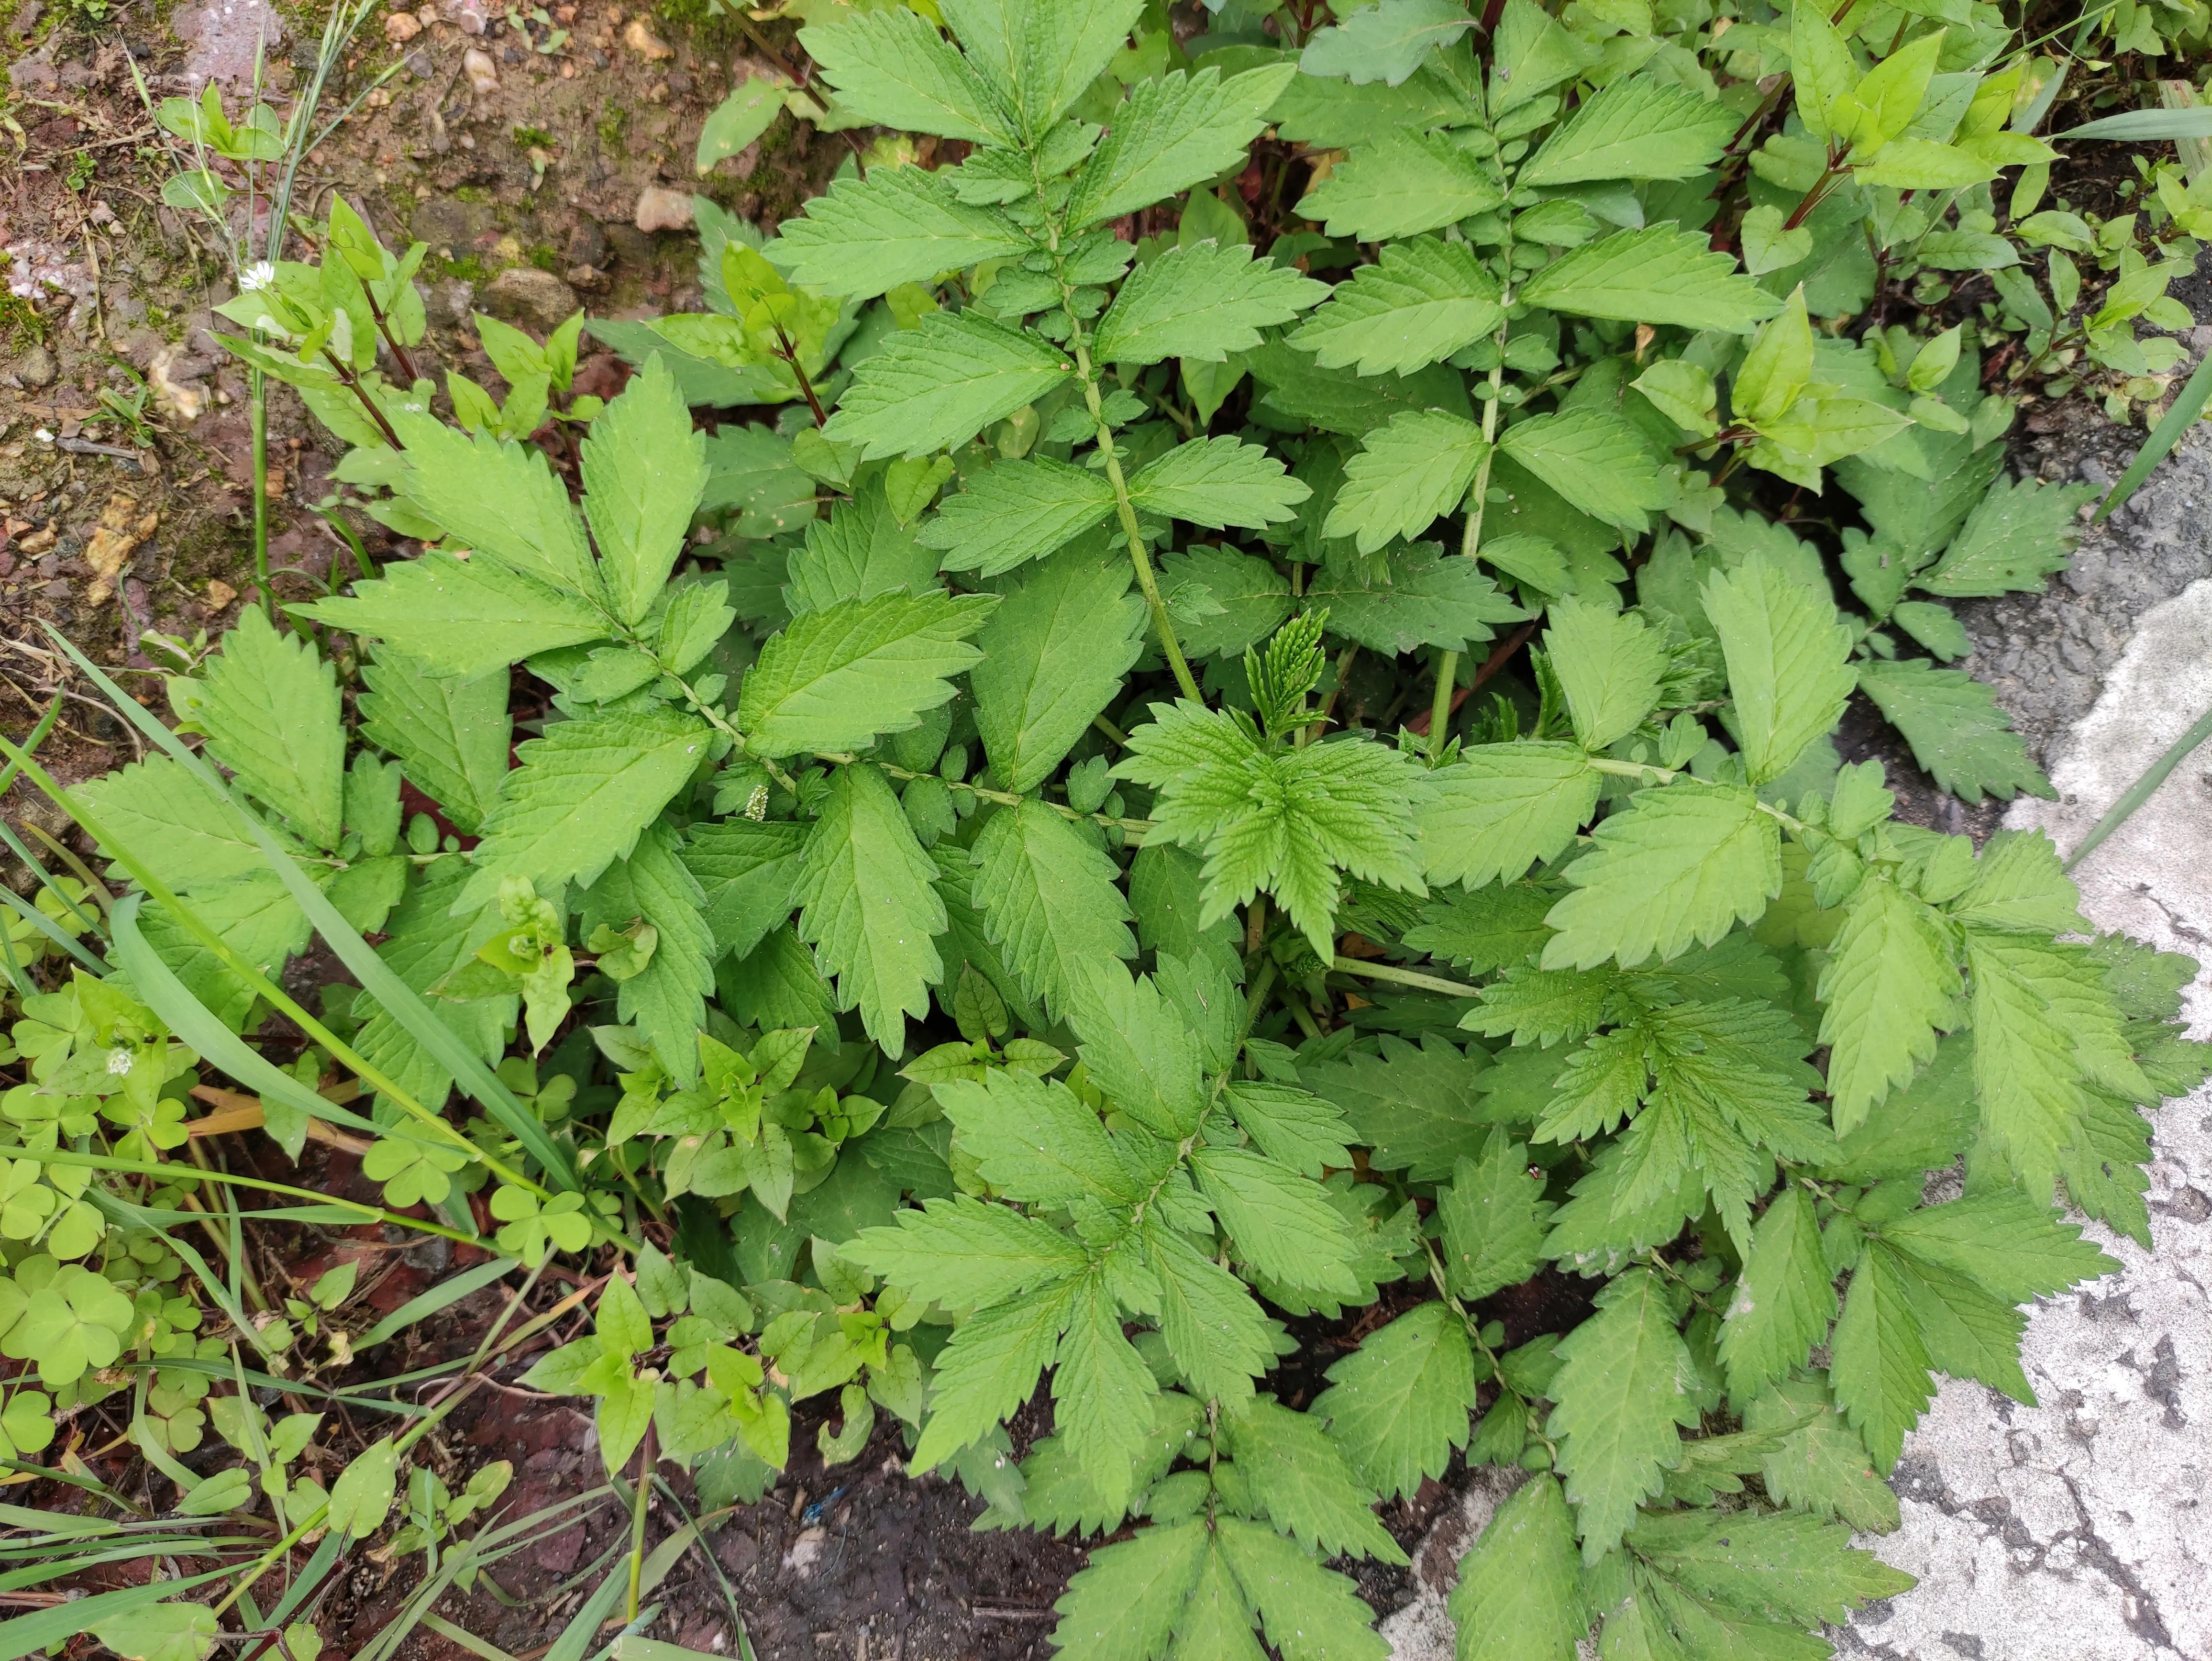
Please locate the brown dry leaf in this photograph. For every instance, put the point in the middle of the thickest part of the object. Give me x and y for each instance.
(122, 527)
(220, 593)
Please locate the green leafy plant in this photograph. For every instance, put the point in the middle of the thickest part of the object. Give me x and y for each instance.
(1008, 889)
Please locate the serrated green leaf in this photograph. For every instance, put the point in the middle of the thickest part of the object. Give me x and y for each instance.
(1661, 274)
(745, 871)
(1531, 53)
(860, 552)
(644, 471)
(1959, 735)
(1780, 1566)
(502, 500)
(1215, 1330)
(965, 1254)
(1215, 1622)
(1277, 1220)
(1287, 821)
(894, 70)
(1519, 1596)
(1292, 1127)
(2019, 886)
(1541, 1006)
(462, 618)
(1430, 599)
(990, 1367)
(1502, 808)
(1407, 474)
(451, 736)
(1048, 900)
(581, 795)
(1171, 132)
(1308, 1613)
(1609, 663)
(667, 999)
(270, 707)
(868, 906)
(837, 678)
(1494, 1218)
(1681, 866)
(1254, 598)
(1033, 1140)
(1416, 1107)
(1420, 303)
(1137, 1048)
(1639, 127)
(1015, 512)
(1789, 663)
(898, 225)
(1623, 1389)
(1101, 1392)
(1203, 300)
(1127, 1600)
(1822, 1465)
(1783, 1299)
(937, 386)
(1386, 42)
(2017, 535)
(1054, 656)
(1880, 1366)
(1400, 182)
(1339, 401)
(1890, 984)
(1398, 1404)
(2003, 1242)
(1042, 56)
(2026, 1070)
(1595, 459)
(1304, 1482)
(1218, 482)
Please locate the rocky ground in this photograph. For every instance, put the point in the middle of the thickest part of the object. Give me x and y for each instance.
(545, 156)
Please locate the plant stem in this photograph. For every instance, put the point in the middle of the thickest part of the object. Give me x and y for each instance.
(258, 404)
(1814, 197)
(789, 353)
(637, 1524)
(383, 327)
(1383, 972)
(352, 382)
(1124, 509)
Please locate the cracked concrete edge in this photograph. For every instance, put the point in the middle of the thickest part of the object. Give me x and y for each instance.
(2082, 1527)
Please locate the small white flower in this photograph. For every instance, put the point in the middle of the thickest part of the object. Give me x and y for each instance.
(261, 274)
(121, 1061)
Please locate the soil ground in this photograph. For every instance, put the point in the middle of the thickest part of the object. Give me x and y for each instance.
(527, 188)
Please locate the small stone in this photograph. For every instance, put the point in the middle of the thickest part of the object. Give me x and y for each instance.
(587, 244)
(526, 296)
(401, 27)
(645, 42)
(36, 367)
(662, 209)
(220, 594)
(483, 73)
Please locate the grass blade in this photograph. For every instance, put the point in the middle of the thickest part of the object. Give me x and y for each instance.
(2187, 405)
(53, 930)
(50, 1628)
(2146, 786)
(191, 1020)
(375, 977)
(447, 1293)
(2137, 124)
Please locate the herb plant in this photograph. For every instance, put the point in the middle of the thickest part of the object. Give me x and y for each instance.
(1015, 876)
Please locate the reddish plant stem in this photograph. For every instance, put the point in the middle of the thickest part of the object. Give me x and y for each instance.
(1497, 659)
